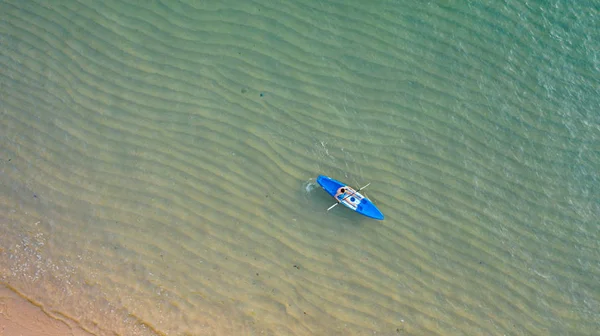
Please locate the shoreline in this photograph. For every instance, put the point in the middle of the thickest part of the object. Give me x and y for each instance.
(19, 316)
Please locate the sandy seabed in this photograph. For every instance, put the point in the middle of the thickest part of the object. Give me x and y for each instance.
(157, 166)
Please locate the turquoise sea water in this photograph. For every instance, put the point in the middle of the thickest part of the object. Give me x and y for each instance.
(159, 162)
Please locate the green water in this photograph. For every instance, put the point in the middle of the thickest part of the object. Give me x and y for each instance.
(158, 165)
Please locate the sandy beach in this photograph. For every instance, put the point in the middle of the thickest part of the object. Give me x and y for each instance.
(20, 317)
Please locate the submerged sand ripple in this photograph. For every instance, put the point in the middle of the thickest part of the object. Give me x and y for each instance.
(156, 158)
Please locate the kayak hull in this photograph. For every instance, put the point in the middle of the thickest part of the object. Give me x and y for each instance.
(349, 197)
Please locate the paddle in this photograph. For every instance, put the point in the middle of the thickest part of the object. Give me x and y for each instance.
(333, 206)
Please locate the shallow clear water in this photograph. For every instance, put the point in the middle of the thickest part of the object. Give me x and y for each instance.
(159, 163)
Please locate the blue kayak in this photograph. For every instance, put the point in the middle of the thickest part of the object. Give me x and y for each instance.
(349, 197)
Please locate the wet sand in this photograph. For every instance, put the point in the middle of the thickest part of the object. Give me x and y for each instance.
(21, 317)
